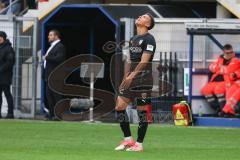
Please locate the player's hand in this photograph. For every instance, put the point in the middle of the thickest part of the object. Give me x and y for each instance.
(126, 82)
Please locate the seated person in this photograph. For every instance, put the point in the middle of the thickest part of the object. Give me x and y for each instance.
(215, 90)
(232, 106)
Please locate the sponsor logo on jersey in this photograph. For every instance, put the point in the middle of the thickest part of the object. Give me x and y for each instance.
(135, 49)
(150, 47)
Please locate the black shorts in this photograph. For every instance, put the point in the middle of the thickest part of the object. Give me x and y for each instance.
(140, 90)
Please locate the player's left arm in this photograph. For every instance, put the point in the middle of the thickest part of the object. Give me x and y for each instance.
(148, 51)
(145, 59)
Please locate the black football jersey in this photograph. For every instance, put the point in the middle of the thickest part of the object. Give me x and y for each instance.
(140, 44)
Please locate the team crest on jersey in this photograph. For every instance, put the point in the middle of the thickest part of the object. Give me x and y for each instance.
(140, 42)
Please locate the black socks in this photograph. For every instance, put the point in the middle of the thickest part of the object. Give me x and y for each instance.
(143, 125)
(124, 123)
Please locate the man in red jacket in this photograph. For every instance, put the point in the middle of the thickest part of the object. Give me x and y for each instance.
(232, 107)
(220, 81)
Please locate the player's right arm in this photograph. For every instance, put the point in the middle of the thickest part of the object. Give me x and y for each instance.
(127, 68)
(126, 72)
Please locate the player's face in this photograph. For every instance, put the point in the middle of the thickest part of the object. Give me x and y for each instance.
(1, 40)
(228, 53)
(143, 20)
(51, 37)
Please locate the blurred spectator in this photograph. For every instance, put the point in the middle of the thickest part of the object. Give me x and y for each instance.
(7, 59)
(15, 8)
(3, 5)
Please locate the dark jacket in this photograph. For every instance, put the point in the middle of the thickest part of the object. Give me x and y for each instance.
(7, 59)
(55, 57)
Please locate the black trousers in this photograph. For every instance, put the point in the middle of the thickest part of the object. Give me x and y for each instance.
(9, 97)
(52, 99)
(45, 96)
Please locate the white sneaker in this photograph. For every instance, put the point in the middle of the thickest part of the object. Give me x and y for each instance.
(135, 148)
(124, 145)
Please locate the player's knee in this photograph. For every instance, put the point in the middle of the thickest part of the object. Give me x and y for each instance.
(120, 108)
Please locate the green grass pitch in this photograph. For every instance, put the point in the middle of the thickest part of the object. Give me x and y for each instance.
(40, 140)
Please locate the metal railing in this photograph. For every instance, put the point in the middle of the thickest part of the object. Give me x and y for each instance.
(24, 87)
